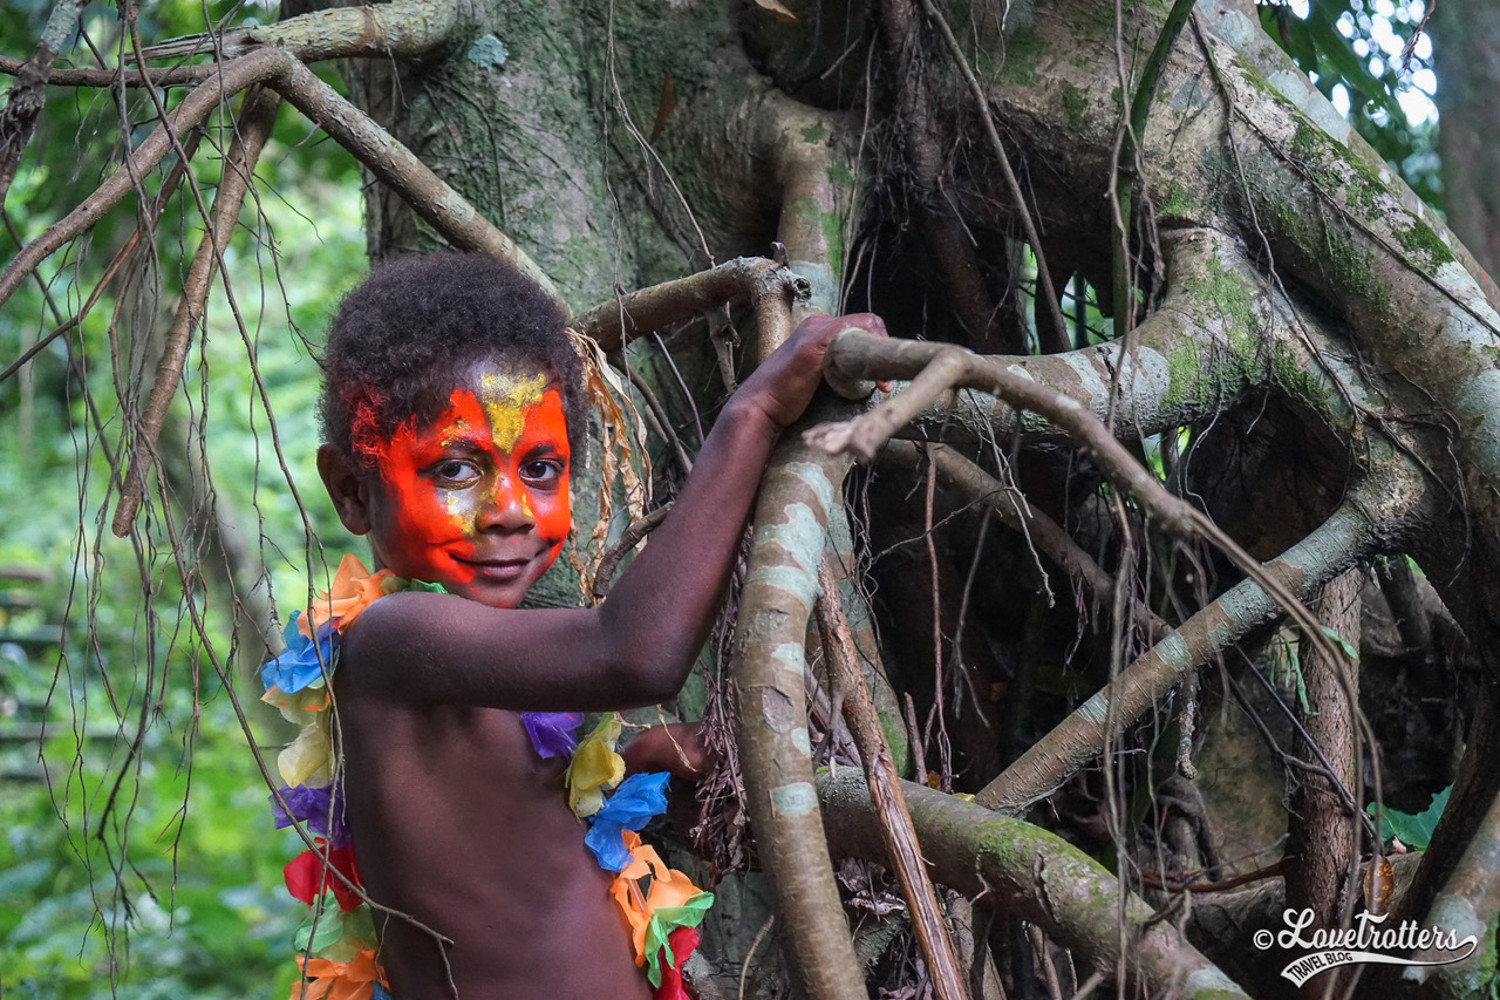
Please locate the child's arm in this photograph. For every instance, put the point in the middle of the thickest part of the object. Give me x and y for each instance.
(637, 648)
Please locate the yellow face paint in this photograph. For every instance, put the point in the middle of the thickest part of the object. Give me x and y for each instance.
(504, 397)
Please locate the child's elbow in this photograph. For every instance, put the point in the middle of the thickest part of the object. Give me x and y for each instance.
(646, 665)
(654, 679)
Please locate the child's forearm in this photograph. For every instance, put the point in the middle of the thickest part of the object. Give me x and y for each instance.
(664, 605)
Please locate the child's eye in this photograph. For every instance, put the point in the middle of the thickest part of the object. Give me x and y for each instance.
(541, 472)
(454, 471)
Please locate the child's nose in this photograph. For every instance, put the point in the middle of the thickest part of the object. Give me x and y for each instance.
(508, 508)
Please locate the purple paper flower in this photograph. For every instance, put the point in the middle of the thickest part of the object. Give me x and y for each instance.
(312, 807)
(638, 798)
(302, 661)
(553, 734)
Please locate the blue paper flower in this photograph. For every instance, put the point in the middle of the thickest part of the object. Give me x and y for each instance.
(553, 734)
(312, 806)
(303, 661)
(638, 798)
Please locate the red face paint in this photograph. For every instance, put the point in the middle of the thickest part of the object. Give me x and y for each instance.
(478, 499)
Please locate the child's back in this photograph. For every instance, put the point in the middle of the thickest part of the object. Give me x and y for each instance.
(452, 400)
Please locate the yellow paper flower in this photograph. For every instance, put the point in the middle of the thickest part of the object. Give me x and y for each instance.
(353, 589)
(595, 769)
(297, 708)
(309, 759)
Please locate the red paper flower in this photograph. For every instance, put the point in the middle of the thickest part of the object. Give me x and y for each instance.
(683, 940)
(308, 875)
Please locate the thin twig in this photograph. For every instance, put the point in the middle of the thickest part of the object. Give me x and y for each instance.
(195, 107)
(885, 792)
(176, 76)
(629, 539)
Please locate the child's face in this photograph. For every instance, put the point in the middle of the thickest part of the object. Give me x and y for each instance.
(477, 500)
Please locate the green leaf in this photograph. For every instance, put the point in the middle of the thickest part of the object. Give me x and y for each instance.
(1413, 831)
(1344, 644)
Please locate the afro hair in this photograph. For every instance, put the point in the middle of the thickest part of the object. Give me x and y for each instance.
(402, 338)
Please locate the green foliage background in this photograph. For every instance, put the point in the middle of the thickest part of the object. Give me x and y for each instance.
(153, 871)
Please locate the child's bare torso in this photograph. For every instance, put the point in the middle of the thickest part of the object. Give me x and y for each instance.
(458, 822)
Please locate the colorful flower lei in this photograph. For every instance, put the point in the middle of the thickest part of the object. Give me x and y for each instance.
(336, 943)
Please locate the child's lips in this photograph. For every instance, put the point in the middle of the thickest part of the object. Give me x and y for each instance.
(500, 569)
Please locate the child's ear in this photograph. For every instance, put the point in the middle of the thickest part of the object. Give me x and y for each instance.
(348, 489)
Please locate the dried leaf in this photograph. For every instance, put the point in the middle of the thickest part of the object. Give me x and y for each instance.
(664, 108)
(776, 7)
(1380, 882)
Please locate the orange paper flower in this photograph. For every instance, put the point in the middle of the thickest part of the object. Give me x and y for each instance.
(670, 889)
(353, 589)
(352, 980)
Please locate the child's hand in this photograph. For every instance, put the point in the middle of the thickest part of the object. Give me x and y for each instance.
(785, 383)
(677, 747)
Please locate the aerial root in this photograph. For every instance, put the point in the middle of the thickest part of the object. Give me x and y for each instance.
(257, 116)
(432, 198)
(1010, 508)
(938, 368)
(1346, 536)
(897, 833)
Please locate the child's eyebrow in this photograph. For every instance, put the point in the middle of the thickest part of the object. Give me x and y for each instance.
(544, 448)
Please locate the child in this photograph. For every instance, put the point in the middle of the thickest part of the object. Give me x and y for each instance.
(453, 402)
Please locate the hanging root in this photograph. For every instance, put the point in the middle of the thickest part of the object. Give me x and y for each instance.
(1368, 518)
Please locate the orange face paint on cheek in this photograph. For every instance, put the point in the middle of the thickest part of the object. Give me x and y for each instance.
(432, 526)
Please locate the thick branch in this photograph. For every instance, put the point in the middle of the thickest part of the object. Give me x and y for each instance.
(621, 319)
(797, 496)
(1363, 522)
(804, 146)
(432, 198)
(1036, 876)
(399, 29)
(1331, 213)
(1219, 332)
